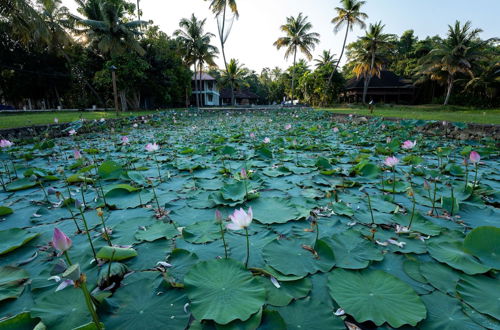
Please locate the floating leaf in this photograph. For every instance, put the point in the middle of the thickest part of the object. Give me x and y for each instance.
(13, 238)
(12, 282)
(115, 253)
(453, 254)
(481, 292)
(223, 291)
(374, 295)
(484, 243)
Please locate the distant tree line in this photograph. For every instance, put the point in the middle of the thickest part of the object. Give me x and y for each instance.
(50, 57)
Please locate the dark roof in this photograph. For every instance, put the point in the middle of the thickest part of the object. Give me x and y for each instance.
(388, 79)
(239, 94)
(203, 76)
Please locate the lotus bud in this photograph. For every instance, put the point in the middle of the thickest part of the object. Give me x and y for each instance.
(78, 204)
(218, 216)
(60, 241)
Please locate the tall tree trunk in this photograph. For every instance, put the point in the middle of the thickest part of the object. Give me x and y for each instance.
(202, 85)
(450, 87)
(233, 99)
(196, 91)
(341, 54)
(123, 100)
(368, 77)
(293, 73)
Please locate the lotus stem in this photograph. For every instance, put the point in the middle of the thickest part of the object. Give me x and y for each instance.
(158, 167)
(90, 304)
(466, 175)
(370, 206)
(475, 179)
(412, 211)
(44, 192)
(223, 239)
(88, 234)
(248, 248)
(393, 184)
(434, 197)
(108, 239)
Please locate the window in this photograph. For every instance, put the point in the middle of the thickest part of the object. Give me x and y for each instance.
(210, 98)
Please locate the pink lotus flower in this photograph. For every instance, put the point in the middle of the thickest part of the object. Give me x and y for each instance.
(135, 125)
(267, 140)
(388, 139)
(407, 145)
(77, 154)
(60, 241)
(391, 161)
(151, 147)
(243, 174)
(56, 120)
(474, 157)
(125, 140)
(240, 219)
(335, 130)
(6, 144)
(288, 126)
(252, 135)
(72, 132)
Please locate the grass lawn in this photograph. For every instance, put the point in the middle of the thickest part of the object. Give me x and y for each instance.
(43, 118)
(427, 112)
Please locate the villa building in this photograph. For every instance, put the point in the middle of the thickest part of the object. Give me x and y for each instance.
(207, 87)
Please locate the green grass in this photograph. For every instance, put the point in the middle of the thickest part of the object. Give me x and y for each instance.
(31, 119)
(427, 112)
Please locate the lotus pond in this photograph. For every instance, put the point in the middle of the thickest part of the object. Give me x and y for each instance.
(359, 225)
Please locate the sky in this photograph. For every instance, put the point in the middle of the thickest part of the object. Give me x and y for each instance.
(253, 34)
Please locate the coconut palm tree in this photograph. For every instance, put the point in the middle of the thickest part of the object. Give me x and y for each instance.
(107, 27)
(234, 77)
(24, 20)
(197, 49)
(350, 15)
(298, 37)
(220, 8)
(55, 17)
(456, 54)
(374, 41)
(325, 59)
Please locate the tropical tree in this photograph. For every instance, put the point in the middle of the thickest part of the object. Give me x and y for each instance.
(350, 15)
(234, 77)
(107, 27)
(374, 41)
(25, 23)
(298, 37)
(55, 17)
(196, 46)
(456, 54)
(220, 9)
(325, 59)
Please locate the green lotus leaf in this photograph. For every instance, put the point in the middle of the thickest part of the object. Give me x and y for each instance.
(12, 281)
(445, 313)
(353, 251)
(453, 254)
(13, 238)
(115, 253)
(4, 210)
(139, 306)
(157, 231)
(481, 292)
(291, 258)
(484, 243)
(223, 291)
(374, 295)
(309, 314)
(273, 210)
(21, 184)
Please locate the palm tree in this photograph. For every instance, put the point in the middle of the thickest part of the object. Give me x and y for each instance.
(350, 15)
(197, 49)
(107, 28)
(456, 54)
(365, 65)
(374, 41)
(55, 17)
(24, 20)
(325, 59)
(297, 37)
(234, 77)
(219, 8)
